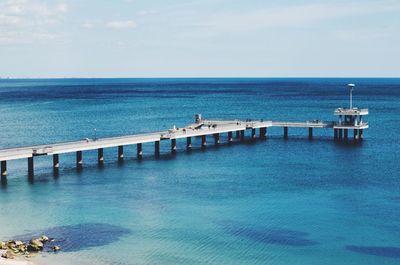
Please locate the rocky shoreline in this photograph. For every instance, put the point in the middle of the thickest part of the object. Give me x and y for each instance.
(19, 251)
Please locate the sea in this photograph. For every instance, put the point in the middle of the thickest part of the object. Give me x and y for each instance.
(273, 201)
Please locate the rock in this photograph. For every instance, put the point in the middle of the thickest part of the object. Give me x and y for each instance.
(18, 243)
(56, 248)
(34, 248)
(11, 244)
(15, 250)
(21, 248)
(3, 245)
(35, 245)
(11, 248)
(44, 238)
(8, 255)
(36, 242)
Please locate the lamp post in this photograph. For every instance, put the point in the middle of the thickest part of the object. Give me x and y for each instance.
(351, 87)
(95, 134)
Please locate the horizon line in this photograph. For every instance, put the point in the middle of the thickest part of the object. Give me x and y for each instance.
(209, 77)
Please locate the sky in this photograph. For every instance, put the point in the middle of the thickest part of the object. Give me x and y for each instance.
(199, 38)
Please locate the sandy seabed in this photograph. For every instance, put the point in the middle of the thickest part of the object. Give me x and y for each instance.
(15, 261)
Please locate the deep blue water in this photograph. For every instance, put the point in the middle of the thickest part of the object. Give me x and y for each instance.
(264, 202)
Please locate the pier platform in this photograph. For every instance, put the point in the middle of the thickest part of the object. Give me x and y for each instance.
(201, 128)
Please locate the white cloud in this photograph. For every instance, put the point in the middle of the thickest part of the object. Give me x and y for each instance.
(88, 25)
(121, 24)
(369, 34)
(24, 21)
(62, 7)
(17, 37)
(146, 12)
(297, 15)
(30, 11)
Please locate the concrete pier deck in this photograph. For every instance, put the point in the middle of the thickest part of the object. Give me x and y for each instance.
(201, 128)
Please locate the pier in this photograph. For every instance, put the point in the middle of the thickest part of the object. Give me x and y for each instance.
(350, 121)
(202, 128)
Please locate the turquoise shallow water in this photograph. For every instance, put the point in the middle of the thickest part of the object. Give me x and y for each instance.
(267, 202)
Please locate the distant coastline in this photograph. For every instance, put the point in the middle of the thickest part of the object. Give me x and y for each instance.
(195, 77)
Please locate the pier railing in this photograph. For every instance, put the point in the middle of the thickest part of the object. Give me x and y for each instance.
(307, 124)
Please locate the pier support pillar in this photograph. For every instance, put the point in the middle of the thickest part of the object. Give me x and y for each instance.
(173, 146)
(30, 168)
(3, 169)
(120, 153)
(157, 149)
(335, 134)
(237, 134)
(189, 143)
(346, 134)
(285, 132)
(203, 141)
(3, 172)
(263, 132)
(79, 161)
(253, 134)
(56, 164)
(242, 135)
(310, 133)
(139, 151)
(230, 139)
(355, 134)
(216, 138)
(360, 134)
(100, 156)
(340, 134)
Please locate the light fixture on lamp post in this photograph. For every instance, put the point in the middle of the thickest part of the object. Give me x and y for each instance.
(351, 88)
